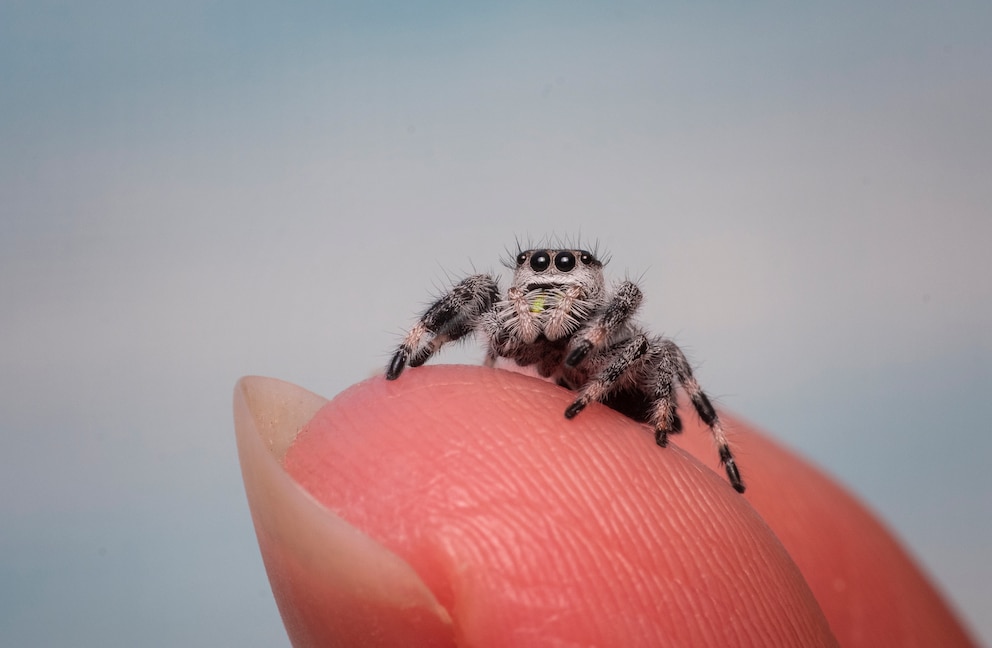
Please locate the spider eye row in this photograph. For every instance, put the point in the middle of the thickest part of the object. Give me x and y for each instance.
(564, 260)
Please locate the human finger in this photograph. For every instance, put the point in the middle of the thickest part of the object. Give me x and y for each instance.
(533, 530)
(869, 587)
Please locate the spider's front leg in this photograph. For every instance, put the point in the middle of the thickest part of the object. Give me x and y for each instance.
(449, 318)
(614, 317)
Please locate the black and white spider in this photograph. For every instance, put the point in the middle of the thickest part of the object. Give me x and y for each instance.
(559, 318)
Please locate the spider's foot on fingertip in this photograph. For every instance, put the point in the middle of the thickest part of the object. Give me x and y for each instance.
(733, 474)
(735, 478)
(574, 409)
(396, 365)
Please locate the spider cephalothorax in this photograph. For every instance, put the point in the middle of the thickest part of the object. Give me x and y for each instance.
(559, 318)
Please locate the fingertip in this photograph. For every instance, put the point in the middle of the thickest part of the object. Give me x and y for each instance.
(333, 583)
(869, 587)
(526, 525)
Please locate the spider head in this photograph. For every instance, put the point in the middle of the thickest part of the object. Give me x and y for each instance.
(543, 270)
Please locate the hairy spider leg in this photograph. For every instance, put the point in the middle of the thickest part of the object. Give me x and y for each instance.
(615, 316)
(561, 324)
(707, 413)
(451, 317)
(664, 416)
(599, 387)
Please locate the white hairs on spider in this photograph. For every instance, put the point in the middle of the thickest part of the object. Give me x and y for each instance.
(559, 319)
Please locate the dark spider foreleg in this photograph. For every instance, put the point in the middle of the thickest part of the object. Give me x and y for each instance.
(615, 315)
(449, 318)
(626, 354)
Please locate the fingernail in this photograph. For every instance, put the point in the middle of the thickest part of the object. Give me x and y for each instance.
(334, 585)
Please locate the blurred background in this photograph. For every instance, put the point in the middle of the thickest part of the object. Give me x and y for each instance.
(194, 191)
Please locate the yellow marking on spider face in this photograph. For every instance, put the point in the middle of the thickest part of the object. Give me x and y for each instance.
(538, 304)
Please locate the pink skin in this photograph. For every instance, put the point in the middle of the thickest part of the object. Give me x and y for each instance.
(487, 519)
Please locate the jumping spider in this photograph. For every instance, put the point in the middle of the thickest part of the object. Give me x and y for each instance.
(559, 317)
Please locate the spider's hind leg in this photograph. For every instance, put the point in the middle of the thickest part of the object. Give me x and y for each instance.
(708, 414)
(672, 365)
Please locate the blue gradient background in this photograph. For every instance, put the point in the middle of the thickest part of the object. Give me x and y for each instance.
(191, 192)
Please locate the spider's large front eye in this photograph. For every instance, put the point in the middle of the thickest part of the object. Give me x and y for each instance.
(521, 258)
(540, 261)
(565, 261)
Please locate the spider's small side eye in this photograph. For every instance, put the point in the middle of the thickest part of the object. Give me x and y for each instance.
(586, 257)
(540, 261)
(521, 258)
(564, 261)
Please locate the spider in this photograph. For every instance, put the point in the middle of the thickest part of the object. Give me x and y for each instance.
(559, 317)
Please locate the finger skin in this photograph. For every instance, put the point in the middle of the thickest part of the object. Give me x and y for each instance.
(333, 584)
(867, 585)
(531, 529)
